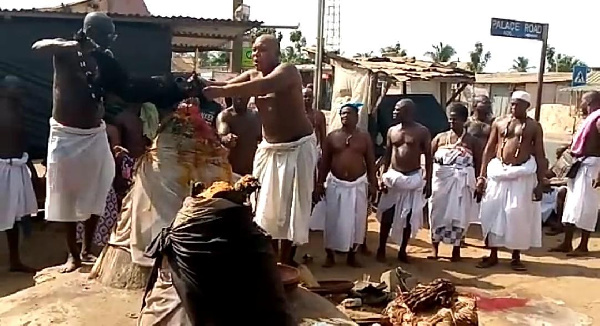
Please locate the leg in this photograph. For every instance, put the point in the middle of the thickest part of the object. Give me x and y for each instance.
(74, 259)
(455, 254)
(351, 259)
(16, 265)
(330, 260)
(88, 236)
(435, 245)
(402, 256)
(275, 244)
(490, 261)
(287, 253)
(387, 218)
(582, 249)
(567, 244)
(516, 263)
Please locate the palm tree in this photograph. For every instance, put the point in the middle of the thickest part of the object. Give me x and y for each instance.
(521, 64)
(478, 59)
(395, 49)
(441, 52)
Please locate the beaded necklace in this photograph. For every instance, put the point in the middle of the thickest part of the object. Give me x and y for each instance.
(96, 91)
(505, 139)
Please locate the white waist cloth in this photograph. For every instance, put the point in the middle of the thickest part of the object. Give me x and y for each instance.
(509, 216)
(405, 194)
(346, 212)
(286, 175)
(17, 198)
(583, 201)
(80, 172)
(452, 203)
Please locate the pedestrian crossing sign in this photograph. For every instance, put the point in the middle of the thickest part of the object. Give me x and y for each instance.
(579, 75)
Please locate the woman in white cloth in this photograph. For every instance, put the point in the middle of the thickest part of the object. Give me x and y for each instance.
(456, 157)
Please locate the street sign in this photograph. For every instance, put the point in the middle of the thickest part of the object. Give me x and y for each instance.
(579, 76)
(247, 58)
(517, 29)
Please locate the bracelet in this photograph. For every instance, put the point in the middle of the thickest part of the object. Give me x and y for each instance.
(482, 178)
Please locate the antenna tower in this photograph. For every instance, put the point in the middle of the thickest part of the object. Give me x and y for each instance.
(332, 25)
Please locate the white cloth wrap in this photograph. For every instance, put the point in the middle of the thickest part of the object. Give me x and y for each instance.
(548, 204)
(17, 198)
(346, 213)
(405, 193)
(286, 175)
(509, 216)
(80, 172)
(452, 203)
(583, 201)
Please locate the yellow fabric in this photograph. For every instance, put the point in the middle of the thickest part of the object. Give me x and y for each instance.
(150, 119)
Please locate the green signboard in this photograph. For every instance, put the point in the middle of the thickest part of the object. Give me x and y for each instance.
(247, 58)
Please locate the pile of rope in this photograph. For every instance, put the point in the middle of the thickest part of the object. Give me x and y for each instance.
(436, 303)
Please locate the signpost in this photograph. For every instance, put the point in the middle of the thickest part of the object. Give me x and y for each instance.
(579, 76)
(528, 31)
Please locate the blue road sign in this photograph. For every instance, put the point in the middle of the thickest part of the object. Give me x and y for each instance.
(579, 76)
(517, 29)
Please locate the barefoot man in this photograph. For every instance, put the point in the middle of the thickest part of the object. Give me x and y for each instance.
(581, 207)
(80, 165)
(403, 184)
(285, 160)
(17, 197)
(457, 158)
(316, 117)
(240, 130)
(348, 163)
(512, 173)
(479, 124)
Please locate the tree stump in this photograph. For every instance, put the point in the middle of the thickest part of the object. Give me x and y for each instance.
(115, 269)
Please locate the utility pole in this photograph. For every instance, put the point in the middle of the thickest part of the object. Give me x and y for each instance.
(235, 58)
(318, 78)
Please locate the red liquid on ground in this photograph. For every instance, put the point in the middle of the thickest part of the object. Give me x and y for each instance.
(498, 304)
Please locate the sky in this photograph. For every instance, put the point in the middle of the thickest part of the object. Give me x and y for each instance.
(370, 25)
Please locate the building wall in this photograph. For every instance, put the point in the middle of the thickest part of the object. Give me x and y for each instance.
(144, 49)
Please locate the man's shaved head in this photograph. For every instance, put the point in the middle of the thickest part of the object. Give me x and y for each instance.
(590, 102)
(404, 110)
(266, 52)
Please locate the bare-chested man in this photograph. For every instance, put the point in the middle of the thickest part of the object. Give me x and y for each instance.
(512, 174)
(240, 130)
(316, 117)
(581, 206)
(17, 174)
(131, 130)
(480, 122)
(285, 161)
(348, 167)
(403, 185)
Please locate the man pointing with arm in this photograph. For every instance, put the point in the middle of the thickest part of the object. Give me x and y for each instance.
(285, 161)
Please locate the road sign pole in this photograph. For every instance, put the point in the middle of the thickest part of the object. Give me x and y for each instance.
(540, 83)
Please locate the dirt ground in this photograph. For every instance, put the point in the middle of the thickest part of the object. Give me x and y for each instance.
(561, 290)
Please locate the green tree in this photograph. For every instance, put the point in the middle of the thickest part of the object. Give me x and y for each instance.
(256, 32)
(565, 63)
(550, 58)
(394, 50)
(294, 53)
(478, 59)
(521, 64)
(441, 53)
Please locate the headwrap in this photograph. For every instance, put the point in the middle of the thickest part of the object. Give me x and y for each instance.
(356, 106)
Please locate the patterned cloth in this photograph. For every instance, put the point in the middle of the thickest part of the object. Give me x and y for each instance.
(105, 222)
(451, 236)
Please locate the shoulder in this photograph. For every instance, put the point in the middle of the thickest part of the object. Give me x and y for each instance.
(225, 113)
(423, 130)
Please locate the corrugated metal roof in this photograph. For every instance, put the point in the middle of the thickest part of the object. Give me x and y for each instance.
(405, 68)
(594, 77)
(522, 77)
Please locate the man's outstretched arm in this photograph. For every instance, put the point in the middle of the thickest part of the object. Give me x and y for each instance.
(53, 46)
(279, 79)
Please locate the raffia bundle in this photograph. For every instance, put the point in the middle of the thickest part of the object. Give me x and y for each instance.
(434, 304)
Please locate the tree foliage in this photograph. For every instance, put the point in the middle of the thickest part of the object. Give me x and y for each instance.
(559, 62)
(441, 52)
(521, 64)
(395, 50)
(478, 59)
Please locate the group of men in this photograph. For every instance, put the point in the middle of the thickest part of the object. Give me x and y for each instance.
(492, 171)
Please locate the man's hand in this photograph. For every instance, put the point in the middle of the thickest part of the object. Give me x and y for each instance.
(480, 189)
(318, 192)
(596, 182)
(382, 187)
(212, 92)
(229, 140)
(427, 190)
(373, 189)
(538, 192)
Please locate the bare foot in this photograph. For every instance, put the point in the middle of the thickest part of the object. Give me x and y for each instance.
(579, 252)
(88, 257)
(487, 262)
(562, 248)
(71, 265)
(365, 251)
(403, 258)
(352, 261)
(455, 259)
(20, 268)
(517, 266)
(380, 257)
(329, 262)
